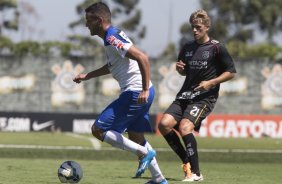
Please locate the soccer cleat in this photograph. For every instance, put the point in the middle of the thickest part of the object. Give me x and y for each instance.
(164, 181)
(144, 163)
(194, 177)
(187, 170)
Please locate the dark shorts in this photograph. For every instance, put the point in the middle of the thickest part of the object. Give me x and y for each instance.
(194, 110)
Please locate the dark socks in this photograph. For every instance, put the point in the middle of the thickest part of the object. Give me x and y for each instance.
(175, 144)
(192, 152)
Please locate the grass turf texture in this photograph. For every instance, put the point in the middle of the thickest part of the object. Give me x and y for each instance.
(34, 171)
(21, 165)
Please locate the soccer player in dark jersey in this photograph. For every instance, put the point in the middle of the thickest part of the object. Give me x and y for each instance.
(206, 63)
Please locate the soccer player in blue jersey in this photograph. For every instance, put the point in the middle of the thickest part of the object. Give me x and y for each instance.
(206, 63)
(130, 112)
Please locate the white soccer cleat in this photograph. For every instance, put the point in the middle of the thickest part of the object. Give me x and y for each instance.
(194, 177)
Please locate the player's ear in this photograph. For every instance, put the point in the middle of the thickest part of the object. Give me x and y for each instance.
(100, 20)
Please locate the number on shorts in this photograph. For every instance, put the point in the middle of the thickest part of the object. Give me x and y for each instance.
(195, 111)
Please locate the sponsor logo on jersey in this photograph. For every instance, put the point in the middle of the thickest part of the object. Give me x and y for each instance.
(101, 122)
(124, 36)
(189, 54)
(205, 54)
(214, 41)
(189, 95)
(115, 42)
(195, 64)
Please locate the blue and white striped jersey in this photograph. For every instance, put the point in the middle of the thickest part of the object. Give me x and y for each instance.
(123, 69)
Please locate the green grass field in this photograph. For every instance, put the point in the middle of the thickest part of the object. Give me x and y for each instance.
(34, 158)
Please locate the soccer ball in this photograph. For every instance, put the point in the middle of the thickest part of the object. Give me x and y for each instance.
(70, 172)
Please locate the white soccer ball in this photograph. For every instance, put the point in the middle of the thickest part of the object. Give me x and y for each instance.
(70, 172)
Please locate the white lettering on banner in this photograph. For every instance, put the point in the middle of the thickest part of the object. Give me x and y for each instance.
(237, 86)
(243, 124)
(204, 130)
(231, 130)
(216, 128)
(279, 132)
(82, 125)
(3, 123)
(257, 129)
(66, 98)
(14, 124)
(241, 128)
(9, 84)
(270, 126)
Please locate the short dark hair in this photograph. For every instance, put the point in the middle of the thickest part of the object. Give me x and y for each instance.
(100, 9)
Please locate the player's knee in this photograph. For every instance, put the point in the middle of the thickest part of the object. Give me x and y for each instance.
(165, 126)
(162, 126)
(186, 127)
(138, 138)
(96, 132)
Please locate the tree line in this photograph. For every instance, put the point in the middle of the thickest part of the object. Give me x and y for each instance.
(236, 23)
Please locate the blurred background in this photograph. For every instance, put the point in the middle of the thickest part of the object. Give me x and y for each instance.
(44, 44)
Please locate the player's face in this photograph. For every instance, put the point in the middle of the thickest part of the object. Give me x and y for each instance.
(93, 23)
(200, 31)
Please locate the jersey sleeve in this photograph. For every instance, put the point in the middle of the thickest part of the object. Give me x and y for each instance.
(120, 41)
(225, 60)
(181, 55)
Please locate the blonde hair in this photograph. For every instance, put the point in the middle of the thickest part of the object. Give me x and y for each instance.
(200, 16)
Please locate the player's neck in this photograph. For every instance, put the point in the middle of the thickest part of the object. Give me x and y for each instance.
(204, 39)
(103, 31)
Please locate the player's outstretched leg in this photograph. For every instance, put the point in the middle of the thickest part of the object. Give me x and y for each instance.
(119, 141)
(144, 162)
(157, 176)
(192, 153)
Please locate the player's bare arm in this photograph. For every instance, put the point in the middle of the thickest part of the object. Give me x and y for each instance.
(180, 67)
(96, 73)
(144, 65)
(206, 85)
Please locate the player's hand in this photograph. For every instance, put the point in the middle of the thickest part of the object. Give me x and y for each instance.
(204, 85)
(180, 67)
(79, 78)
(143, 97)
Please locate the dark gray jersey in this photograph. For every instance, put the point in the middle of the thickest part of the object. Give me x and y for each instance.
(203, 62)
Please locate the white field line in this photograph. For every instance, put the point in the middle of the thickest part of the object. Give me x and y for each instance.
(157, 149)
(44, 147)
(95, 142)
